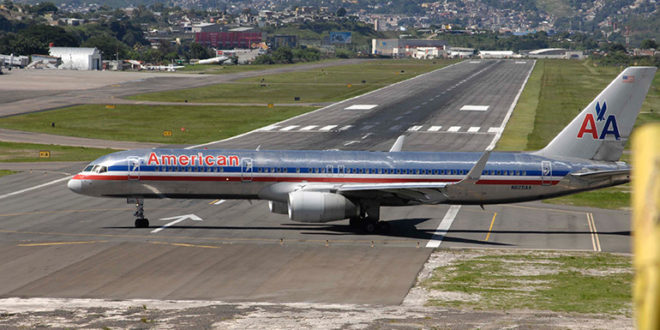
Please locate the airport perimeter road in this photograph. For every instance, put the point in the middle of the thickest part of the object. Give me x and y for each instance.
(24, 91)
(59, 244)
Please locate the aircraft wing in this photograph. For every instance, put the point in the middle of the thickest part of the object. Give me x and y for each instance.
(415, 192)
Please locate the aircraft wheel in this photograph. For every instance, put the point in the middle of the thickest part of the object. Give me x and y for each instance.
(370, 226)
(384, 227)
(141, 223)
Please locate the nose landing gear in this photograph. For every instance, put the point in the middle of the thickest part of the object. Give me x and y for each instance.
(140, 221)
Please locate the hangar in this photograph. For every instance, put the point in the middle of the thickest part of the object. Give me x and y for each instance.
(77, 58)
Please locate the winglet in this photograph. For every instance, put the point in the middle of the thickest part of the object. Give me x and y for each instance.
(398, 144)
(475, 173)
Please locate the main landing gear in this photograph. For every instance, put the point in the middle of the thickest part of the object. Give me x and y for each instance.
(140, 221)
(368, 221)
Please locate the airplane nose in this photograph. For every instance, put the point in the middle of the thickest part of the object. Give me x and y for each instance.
(75, 185)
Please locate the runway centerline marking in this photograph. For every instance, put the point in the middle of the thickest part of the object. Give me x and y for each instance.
(490, 229)
(35, 187)
(595, 241)
(443, 227)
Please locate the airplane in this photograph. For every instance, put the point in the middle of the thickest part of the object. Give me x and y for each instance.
(214, 60)
(321, 186)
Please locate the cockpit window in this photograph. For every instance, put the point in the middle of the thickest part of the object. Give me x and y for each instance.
(96, 169)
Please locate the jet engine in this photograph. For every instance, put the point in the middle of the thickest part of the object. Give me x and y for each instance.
(278, 207)
(312, 206)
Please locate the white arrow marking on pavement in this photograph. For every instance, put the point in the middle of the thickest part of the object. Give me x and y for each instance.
(176, 219)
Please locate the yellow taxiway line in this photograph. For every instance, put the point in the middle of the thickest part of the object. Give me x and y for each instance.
(60, 243)
(492, 222)
(595, 241)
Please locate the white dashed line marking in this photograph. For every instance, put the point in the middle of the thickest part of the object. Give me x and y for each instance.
(308, 128)
(473, 129)
(469, 107)
(345, 127)
(327, 128)
(494, 130)
(361, 107)
(269, 128)
(434, 128)
(288, 128)
(414, 128)
(454, 129)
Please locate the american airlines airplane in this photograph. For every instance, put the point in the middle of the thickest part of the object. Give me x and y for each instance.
(322, 186)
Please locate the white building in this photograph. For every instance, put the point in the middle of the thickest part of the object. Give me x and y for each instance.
(428, 52)
(496, 54)
(77, 58)
(460, 52)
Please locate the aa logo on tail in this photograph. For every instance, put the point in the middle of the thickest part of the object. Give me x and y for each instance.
(589, 124)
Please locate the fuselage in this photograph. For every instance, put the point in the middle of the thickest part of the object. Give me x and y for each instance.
(248, 174)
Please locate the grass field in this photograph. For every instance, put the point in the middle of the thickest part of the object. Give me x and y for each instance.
(27, 152)
(6, 172)
(146, 123)
(535, 280)
(224, 69)
(320, 85)
(556, 92)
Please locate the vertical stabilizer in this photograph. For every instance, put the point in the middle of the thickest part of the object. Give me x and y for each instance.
(601, 130)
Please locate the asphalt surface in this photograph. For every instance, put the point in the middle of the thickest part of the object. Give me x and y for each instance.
(59, 244)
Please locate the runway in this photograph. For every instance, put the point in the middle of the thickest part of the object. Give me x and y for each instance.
(59, 244)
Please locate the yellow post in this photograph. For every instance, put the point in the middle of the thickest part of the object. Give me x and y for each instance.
(646, 225)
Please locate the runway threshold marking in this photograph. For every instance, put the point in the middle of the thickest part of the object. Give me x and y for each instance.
(35, 187)
(595, 241)
(443, 227)
(492, 222)
(59, 243)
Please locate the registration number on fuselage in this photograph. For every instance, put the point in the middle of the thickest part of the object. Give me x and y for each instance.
(521, 187)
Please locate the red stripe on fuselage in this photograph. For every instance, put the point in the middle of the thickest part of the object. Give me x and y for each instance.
(300, 179)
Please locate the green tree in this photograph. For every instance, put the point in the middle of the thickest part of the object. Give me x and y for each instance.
(341, 12)
(43, 7)
(108, 45)
(283, 55)
(649, 44)
(199, 52)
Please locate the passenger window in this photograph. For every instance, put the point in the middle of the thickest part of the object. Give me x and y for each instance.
(103, 169)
